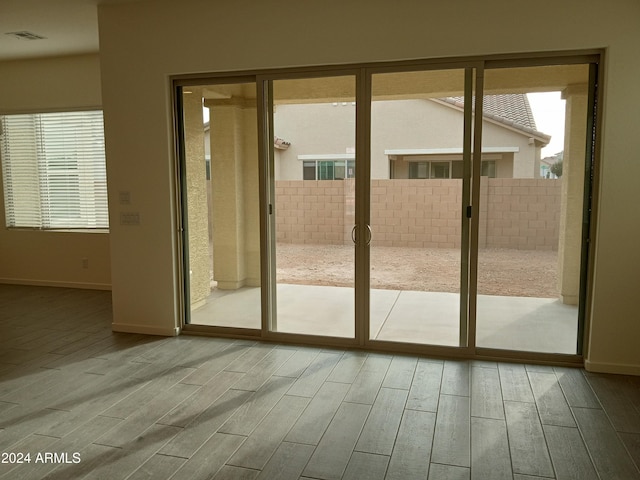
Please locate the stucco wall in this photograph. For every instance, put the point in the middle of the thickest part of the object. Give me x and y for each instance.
(197, 204)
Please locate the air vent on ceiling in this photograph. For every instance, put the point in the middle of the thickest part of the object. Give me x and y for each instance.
(24, 35)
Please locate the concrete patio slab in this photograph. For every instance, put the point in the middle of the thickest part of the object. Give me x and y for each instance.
(512, 323)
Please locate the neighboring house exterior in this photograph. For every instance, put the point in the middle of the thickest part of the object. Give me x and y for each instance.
(416, 138)
(547, 163)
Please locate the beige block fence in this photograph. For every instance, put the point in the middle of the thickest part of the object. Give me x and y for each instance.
(514, 213)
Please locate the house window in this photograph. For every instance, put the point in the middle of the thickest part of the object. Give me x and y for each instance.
(488, 168)
(53, 170)
(440, 170)
(453, 169)
(457, 169)
(419, 170)
(429, 170)
(308, 170)
(328, 169)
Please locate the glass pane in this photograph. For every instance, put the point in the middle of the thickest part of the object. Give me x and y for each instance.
(439, 170)
(223, 228)
(314, 216)
(457, 169)
(418, 170)
(416, 125)
(531, 208)
(325, 170)
(309, 170)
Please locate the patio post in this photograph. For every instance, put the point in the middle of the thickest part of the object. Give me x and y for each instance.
(199, 264)
(570, 243)
(234, 184)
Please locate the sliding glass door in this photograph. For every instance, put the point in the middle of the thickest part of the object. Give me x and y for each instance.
(312, 205)
(417, 191)
(434, 207)
(221, 221)
(532, 208)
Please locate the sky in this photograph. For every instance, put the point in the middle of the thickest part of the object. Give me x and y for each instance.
(548, 112)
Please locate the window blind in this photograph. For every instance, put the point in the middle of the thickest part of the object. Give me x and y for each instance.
(53, 170)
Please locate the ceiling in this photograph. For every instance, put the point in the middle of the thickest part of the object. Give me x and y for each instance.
(70, 27)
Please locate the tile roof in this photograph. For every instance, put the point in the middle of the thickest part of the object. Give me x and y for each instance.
(511, 109)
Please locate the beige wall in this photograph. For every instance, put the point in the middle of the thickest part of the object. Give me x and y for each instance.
(322, 129)
(143, 43)
(50, 84)
(52, 258)
(312, 129)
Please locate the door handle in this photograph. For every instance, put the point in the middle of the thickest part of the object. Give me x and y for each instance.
(354, 236)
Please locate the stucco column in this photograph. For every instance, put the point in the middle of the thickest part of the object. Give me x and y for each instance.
(197, 210)
(251, 194)
(234, 184)
(483, 219)
(570, 244)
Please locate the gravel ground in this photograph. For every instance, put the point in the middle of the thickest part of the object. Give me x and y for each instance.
(523, 273)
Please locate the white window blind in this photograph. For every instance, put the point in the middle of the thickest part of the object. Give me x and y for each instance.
(53, 170)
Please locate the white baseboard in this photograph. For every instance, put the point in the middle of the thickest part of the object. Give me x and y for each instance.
(617, 368)
(55, 283)
(145, 329)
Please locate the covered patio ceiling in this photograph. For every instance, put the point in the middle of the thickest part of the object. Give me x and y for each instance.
(410, 84)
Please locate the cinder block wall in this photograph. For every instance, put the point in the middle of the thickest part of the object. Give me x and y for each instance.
(522, 213)
(416, 213)
(515, 213)
(314, 212)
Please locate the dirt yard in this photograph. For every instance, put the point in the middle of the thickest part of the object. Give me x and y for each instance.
(500, 271)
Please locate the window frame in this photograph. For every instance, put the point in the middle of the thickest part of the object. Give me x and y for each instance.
(65, 152)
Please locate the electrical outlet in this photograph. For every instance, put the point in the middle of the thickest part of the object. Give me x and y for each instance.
(85, 263)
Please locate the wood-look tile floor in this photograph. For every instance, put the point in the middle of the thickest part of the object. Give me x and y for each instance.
(142, 407)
